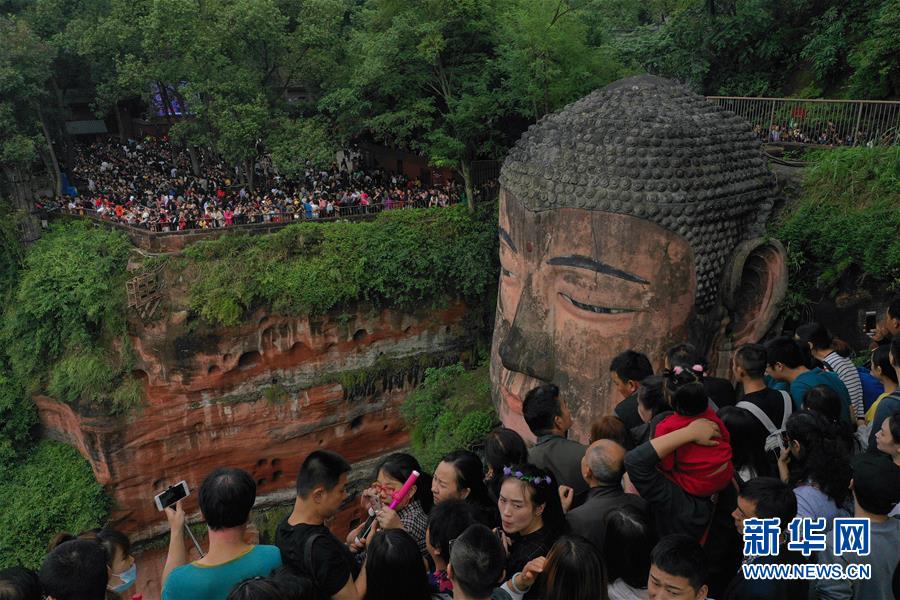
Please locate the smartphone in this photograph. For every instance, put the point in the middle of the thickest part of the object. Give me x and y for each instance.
(871, 322)
(172, 495)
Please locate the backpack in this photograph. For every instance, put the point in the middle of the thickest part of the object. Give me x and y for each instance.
(774, 439)
(308, 563)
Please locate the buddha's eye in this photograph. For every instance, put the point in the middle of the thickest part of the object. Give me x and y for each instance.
(603, 310)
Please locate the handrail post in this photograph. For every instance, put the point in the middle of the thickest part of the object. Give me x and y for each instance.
(856, 128)
(771, 121)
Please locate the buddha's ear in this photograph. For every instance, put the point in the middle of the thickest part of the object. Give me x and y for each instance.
(754, 284)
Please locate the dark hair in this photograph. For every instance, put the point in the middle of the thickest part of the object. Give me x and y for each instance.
(685, 391)
(627, 544)
(541, 407)
(542, 493)
(684, 353)
(75, 570)
(893, 308)
(293, 586)
(650, 395)
(19, 583)
(894, 427)
(881, 358)
(573, 571)
(786, 351)
(502, 447)
(815, 334)
(773, 498)
(747, 440)
(400, 466)
(876, 482)
(110, 540)
(321, 468)
(226, 498)
(610, 427)
(822, 458)
(393, 563)
(447, 520)
(256, 588)
(478, 561)
(825, 401)
(680, 555)
(469, 475)
(752, 359)
(631, 366)
(895, 349)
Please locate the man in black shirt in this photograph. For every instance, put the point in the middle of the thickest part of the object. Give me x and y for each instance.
(749, 367)
(627, 370)
(767, 498)
(308, 548)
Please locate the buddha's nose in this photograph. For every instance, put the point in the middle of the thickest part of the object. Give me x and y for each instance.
(528, 348)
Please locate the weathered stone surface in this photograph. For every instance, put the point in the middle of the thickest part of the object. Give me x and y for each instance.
(259, 396)
(620, 216)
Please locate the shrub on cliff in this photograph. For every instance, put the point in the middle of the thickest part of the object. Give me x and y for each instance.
(404, 258)
(65, 311)
(18, 417)
(451, 409)
(52, 490)
(843, 230)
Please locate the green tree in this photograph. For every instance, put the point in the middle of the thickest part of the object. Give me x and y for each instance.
(25, 62)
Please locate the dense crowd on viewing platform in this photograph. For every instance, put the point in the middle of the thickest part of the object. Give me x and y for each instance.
(781, 482)
(150, 184)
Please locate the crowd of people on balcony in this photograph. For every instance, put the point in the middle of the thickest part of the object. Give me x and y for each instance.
(654, 507)
(150, 184)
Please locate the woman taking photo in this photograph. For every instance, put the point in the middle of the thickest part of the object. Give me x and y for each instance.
(816, 464)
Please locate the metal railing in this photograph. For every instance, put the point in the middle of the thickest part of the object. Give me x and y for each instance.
(818, 122)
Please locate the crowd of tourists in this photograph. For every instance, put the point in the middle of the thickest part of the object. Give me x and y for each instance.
(666, 501)
(150, 184)
(827, 134)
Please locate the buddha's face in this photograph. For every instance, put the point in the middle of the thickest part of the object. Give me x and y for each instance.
(577, 287)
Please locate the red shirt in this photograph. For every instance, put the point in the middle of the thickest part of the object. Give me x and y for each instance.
(698, 470)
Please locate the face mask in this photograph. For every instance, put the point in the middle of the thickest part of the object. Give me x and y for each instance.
(128, 578)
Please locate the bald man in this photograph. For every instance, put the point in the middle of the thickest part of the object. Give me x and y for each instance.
(602, 467)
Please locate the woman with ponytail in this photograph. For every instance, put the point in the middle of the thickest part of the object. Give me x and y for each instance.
(817, 465)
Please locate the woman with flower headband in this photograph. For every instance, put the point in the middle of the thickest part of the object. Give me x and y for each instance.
(531, 515)
(698, 470)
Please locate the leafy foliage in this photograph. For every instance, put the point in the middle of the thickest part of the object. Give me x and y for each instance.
(53, 490)
(764, 47)
(405, 258)
(451, 409)
(68, 307)
(844, 228)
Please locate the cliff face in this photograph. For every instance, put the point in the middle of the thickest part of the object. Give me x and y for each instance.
(259, 396)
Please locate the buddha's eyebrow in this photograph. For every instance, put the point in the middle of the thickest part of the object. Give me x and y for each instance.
(504, 235)
(584, 262)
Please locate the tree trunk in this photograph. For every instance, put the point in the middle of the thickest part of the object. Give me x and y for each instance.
(195, 161)
(120, 123)
(465, 167)
(250, 173)
(57, 180)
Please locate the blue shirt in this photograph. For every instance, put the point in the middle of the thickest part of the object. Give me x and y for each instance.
(810, 379)
(201, 582)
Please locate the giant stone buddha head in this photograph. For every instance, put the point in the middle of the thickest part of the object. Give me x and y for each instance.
(630, 219)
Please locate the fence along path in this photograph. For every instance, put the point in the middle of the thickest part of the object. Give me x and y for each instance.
(816, 121)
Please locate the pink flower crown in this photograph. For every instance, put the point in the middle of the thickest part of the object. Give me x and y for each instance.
(532, 479)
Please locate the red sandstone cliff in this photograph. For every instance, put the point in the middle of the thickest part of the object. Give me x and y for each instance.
(259, 396)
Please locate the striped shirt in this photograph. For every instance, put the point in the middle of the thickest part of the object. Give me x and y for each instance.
(846, 370)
